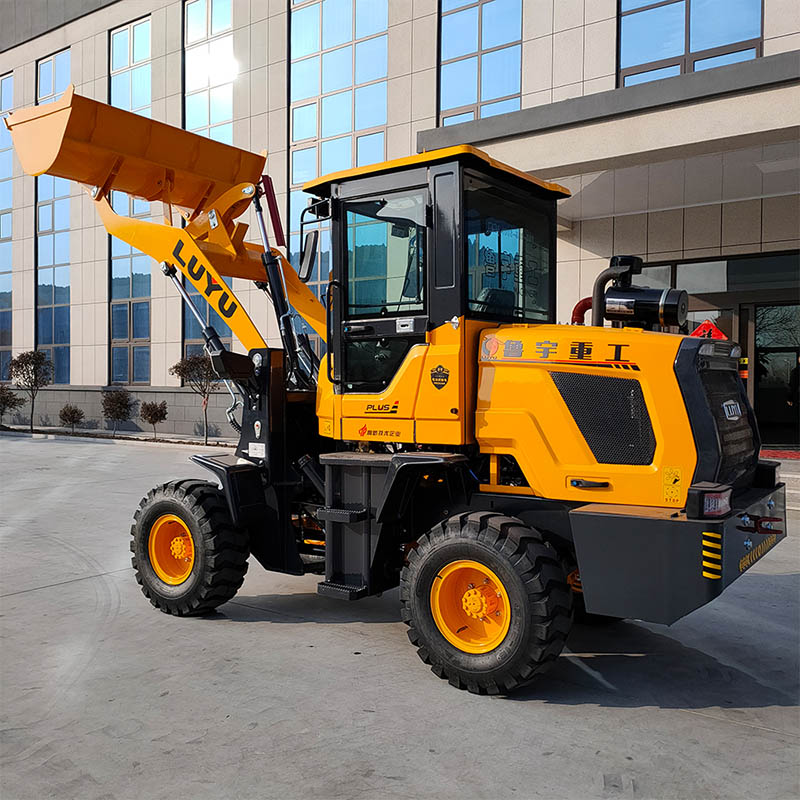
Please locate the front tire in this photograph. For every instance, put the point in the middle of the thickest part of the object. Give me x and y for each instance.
(486, 601)
(188, 556)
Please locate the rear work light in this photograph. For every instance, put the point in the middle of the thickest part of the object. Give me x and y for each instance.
(708, 500)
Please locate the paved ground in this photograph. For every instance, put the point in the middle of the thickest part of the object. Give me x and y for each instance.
(285, 694)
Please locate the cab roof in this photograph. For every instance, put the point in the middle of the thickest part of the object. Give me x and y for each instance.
(321, 187)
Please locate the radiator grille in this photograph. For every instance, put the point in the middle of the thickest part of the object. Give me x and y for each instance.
(739, 453)
(611, 415)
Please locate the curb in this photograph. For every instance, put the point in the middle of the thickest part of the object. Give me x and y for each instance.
(109, 440)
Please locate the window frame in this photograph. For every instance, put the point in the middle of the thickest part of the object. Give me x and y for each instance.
(473, 108)
(131, 65)
(44, 99)
(6, 349)
(541, 206)
(685, 62)
(422, 189)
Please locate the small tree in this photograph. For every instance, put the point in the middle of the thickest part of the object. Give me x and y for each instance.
(197, 373)
(31, 371)
(118, 406)
(9, 401)
(71, 415)
(154, 413)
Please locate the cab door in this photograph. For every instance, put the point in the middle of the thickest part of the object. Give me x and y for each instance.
(380, 312)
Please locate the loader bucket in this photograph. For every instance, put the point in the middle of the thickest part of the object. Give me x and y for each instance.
(96, 144)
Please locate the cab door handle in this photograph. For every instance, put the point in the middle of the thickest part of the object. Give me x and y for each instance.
(582, 483)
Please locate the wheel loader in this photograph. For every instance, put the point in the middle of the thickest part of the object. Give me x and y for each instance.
(506, 472)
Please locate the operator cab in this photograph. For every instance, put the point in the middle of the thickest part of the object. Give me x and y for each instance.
(449, 240)
(434, 239)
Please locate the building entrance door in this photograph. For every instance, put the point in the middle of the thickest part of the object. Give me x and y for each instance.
(775, 371)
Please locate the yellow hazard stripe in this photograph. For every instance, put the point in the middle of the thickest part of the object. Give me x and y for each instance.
(712, 544)
(712, 555)
(712, 535)
(712, 575)
(712, 565)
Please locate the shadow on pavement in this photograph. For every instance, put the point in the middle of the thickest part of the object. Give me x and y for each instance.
(621, 665)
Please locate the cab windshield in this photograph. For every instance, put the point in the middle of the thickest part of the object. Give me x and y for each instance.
(508, 248)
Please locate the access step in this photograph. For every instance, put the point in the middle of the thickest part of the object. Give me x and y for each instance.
(341, 590)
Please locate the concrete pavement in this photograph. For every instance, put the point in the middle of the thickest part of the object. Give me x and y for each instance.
(285, 694)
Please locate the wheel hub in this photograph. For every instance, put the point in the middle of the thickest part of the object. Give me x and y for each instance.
(171, 549)
(479, 602)
(470, 606)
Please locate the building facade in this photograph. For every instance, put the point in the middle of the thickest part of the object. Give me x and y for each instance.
(675, 124)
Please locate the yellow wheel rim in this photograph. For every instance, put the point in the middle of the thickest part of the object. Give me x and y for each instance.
(171, 549)
(470, 606)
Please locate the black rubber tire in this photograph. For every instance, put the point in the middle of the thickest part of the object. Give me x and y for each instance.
(221, 549)
(534, 578)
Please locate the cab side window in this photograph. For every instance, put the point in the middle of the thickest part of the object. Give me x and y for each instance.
(386, 255)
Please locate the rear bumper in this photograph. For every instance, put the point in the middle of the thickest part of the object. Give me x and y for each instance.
(655, 564)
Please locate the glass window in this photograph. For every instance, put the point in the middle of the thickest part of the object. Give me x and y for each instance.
(652, 35)
(304, 122)
(220, 16)
(196, 20)
(372, 16)
(140, 320)
(508, 254)
(370, 106)
(687, 34)
(196, 111)
(45, 85)
(386, 254)
(652, 75)
(501, 22)
(305, 31)
(305, 78)
(140, 87)
(721, 61)
(119, 365)
(371, 63)
(500, 73)
(119, 321)
(714, 23)
(61, 365)
(459, 33)
(141, 364)
(370, 149)
(221, 103)
(44, 326)
(119, 49)
(337, 70)
(502, 107)
(304, 165)
(121, 90)
(337, 114)
(6, 93)
(337, 154)
(141, 41)
(61, 325)
(337, 23)
(459, 83)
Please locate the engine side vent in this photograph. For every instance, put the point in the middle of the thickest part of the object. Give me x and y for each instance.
(612, 416)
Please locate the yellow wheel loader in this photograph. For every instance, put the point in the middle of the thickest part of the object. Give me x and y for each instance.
(504, 471)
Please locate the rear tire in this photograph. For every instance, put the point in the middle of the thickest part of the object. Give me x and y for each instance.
(522, 632)
(188, 556)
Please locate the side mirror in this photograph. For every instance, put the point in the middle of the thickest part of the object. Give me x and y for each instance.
(308, 256)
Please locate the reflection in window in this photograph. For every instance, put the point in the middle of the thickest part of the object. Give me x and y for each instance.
(210, 69)
(507, 254)
(750, 273)
(654, 36)
(479, 59)
(6, 104)
(130, 68)
(53, 237)
(386, 255)
(339, 68)
(130, 300)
